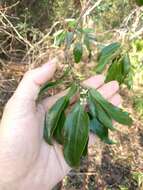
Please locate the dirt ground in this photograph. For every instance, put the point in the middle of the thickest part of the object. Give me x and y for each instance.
(107, 167)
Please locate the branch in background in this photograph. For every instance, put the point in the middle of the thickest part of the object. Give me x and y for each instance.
(83, 11)
(137, 20)
(137, 34)
(9, 7)
(93, 7)
(129, 17)
(14, 29)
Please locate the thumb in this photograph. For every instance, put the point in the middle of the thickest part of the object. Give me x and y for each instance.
(29, 87)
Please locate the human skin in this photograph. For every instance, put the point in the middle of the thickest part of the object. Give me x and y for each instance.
(26, 160)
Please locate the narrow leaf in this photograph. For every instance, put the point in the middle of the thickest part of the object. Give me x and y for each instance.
(85, 152)
(115, 113)
(76, 135)
(102, 132)
(115, 72)
(59, 133)
(59, 37)
(78, 52)
(104, 118)
(69, 39)
(126, 64)
(106, 56)
(92, 107)
(53, 117)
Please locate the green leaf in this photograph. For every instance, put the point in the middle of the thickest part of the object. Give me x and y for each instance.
(59, 37)
(87, 42)
(129, 80)
(53, 116)
(49, 85)
(69, 39)
(104, 118)
(106, 56)
(78, 52)
(59, 133)
(88, 30)
(76, 135)
(92, 107)
(119, 70)
(114, 112)
(112, 72)
(126, 64)
(71, 23)
(85, 152)
(115, 72)
(73, 90)
(139, 2)
(102, 132)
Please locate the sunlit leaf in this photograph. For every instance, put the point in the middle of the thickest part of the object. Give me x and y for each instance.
(59, 37)
(115, 72)
(106, 56)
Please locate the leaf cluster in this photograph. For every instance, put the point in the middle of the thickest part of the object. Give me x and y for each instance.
(118, 63)
(78, 38)
(72, 128)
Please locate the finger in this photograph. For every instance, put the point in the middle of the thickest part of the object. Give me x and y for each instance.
(116, 101)
(30, 85)
(109, 89)
(50, 101)
(93, 82)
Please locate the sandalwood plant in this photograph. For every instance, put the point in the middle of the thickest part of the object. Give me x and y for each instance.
(70, 125)
(91, 112)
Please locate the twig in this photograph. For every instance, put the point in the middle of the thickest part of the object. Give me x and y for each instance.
(9, 7)
(93, 7)
(17, 33)
(83, 12)
(137, 34)
(48, 34)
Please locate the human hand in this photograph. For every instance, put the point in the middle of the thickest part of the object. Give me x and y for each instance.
(26, 160)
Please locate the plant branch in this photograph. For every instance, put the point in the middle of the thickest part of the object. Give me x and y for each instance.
(93, 7)
(14, 29)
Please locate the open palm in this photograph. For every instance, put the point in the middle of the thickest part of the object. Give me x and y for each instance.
(26, 161)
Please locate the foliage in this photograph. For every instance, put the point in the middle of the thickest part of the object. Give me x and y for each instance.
(72, 131)
(138, 176)
(120, 64)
